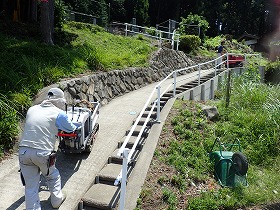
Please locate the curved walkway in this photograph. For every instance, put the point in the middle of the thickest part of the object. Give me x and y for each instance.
(78, 171)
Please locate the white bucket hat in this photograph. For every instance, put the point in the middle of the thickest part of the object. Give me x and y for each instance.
(56, 97)
(55, 93)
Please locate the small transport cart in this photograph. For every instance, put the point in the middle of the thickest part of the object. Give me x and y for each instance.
(235, 61)
(83, 114)
(230, 168)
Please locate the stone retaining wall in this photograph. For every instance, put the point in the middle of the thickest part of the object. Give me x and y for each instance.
(103, 87)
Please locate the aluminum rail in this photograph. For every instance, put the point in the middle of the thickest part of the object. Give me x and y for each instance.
(127, 159)
(159, 34)
(156, 102)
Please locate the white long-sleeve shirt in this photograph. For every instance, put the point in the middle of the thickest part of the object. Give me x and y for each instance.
(41, 126)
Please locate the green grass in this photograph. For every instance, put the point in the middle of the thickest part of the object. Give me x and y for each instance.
(27, 65)
(253, 116)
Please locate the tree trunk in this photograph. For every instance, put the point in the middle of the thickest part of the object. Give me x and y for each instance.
(51, 7)
(46, 25)
(33, 11)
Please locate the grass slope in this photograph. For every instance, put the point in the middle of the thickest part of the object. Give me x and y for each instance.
(27, 65)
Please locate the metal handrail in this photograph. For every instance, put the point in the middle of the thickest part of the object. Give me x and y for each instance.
(158, 32)
(120, 152)
(156, 103)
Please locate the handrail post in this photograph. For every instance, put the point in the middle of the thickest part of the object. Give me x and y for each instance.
(158, 103)
(199, 72)
(160, 37)
(227, 61)
(215, 67)
(123, 181)
(174, 83)
(125, 29)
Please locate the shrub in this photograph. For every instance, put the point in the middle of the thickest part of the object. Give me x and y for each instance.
(151, 31)
(8, 124)
(187, 25)
(189, 43)
(273, 66)
(85, 26)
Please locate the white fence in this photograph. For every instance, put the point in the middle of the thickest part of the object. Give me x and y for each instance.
(167, 84)
(160, 35)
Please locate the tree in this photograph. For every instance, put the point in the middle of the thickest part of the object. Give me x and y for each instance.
(141, 11)
(47, 21)
(195, 25)
(100, 9)
(118, 11)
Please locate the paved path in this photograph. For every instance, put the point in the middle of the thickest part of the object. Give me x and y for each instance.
(79, 170)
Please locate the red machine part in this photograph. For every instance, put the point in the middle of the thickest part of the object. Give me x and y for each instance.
(62, 134)
(235, 60)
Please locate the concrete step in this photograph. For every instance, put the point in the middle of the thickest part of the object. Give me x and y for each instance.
(153, 115)
(182, 89)
(162, 103)
(168, 94)
(155, 109)
(101, 196)
(165, 98)
(137, 130)
(143, 119)
(195, 83)
(115, 159)
(108, 174)
(187, 86)
(209, 76)
(131, 142)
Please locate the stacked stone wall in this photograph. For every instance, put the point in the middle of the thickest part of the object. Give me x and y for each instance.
(105, 86)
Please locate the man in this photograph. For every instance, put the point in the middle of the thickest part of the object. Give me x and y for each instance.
(37, 146)
(220, 52)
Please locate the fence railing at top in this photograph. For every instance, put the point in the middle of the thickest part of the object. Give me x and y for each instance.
(168, 83)
(131, 29)
(85, 18)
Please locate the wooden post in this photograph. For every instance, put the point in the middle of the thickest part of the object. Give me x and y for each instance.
(228, 88)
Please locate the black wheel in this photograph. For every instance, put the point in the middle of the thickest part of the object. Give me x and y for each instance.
(92, 138)
(240, 163)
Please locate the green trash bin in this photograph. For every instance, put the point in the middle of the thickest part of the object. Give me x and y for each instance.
(230, 168)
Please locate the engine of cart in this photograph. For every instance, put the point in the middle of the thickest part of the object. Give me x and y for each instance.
(76, 141)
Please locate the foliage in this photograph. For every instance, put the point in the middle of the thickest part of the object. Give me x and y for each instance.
(170, 198)
(99, 9)
(189, 43)
(255, 119)
(273, 66)
(27, 65)
(213, 42)
(194, 25)
(141, 11)
(151, 31)
(118, 11)
(115, 52)
(8, 124)
(60, 14)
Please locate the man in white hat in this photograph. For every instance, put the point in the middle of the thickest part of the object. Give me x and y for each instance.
(37, 145)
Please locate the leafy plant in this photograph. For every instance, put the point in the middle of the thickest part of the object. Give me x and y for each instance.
(170, 198)
(189, 43)
(193, 25)
(8, 124)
